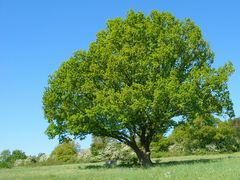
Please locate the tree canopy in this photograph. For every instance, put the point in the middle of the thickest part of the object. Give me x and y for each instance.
(139, 74)
(18, 154)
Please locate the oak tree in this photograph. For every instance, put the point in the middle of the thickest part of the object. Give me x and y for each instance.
(139, 74)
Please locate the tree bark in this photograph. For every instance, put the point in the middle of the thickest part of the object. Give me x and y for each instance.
(143, 155)
(142, 149)
(144, 159)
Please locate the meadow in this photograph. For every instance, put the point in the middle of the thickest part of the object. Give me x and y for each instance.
(220, 166)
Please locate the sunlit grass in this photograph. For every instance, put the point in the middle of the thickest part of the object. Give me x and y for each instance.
(223, 166)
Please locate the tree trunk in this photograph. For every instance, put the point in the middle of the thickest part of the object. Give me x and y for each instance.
(142, 150)
(143, 156)
(144, 159)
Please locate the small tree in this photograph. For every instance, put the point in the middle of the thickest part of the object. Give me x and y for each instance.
(5, 156)
(64, 152)
(18, 154)
(138, 76)
(5, 159)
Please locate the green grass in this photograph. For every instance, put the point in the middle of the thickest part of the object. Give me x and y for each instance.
(224, 166)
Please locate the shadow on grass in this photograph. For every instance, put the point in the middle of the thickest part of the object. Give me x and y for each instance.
(156, 164)
(173, 163)
(93, 167)
(191, 161)
(108, 167)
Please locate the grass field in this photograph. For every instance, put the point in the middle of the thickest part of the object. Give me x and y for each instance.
(224, 166)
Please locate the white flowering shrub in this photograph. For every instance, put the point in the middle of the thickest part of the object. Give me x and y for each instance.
(43, 158)
(119, 151)
(27, 161)
(19, 162)
(30, 160)
(177, 147)
(110, 150)
(84, 155)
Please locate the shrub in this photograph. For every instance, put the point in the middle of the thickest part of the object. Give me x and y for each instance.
(8, 159)
(42, 157)
(19, 162)
(5, 165)
(5, 156)
(199, 138)
(64, 152)
(84, 154)
(18, 154)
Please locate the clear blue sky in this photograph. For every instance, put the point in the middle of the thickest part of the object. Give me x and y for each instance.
(36, 36)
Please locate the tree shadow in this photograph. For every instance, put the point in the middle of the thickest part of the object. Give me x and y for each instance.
(92, 167)
(157, 163)
(175, 162)
(109, 167)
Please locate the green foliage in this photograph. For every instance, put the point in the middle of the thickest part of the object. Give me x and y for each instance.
(18, 154)
(7, 159)
(235, 123)
(160, 147)
(5, 156)
(137, 76)
(198, 137)
(5, 165)
(64, 152)
(98, 144)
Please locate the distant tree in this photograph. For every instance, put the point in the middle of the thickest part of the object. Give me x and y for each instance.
(18, 154)
(5, 156)
(226, 138)
(198, 136)
(98, 144)
(235, 123)
(65, 151)
(7, 159)
(138, 76)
